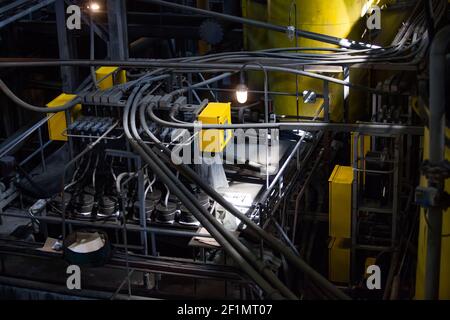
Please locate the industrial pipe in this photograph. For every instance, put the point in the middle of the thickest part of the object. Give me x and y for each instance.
(161, 63)
(437, 146)
(269, 239)
(300, 33)
(260, 265)
(28, 106)
(174, 185)
(368, 128)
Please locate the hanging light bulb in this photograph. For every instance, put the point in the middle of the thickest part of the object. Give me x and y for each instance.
(241, 93)
(94, 6)
(241, 89)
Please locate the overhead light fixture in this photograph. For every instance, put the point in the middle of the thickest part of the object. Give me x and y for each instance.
(241, 93)
(94, 7)
(241, 89)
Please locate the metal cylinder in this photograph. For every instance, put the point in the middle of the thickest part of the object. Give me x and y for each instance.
(337, 18)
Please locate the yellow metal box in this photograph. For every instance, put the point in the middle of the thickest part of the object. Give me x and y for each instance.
(340, 201)
(109, 76)
(215, 140)
(57, 124)
(339, 260)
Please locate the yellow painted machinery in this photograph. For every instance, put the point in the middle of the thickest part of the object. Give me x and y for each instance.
(336, 18)
(213, 140)
(340, 18)
(340, 211)
(57, 124)
(106, 77)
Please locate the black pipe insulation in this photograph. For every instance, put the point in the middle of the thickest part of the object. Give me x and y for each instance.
(235, 242)
(269, 239)
(30, 107)
(174, 185)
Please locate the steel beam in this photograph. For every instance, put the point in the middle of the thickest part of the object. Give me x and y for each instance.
(66, 46)
(23, 12)
(118, 33)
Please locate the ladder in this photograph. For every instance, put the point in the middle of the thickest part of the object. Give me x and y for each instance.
(374, 213)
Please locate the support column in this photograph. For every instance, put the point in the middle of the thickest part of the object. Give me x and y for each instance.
(117, 27)
(66, 46)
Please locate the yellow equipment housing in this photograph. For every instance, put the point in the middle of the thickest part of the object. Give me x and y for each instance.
(340, 212)
(57, 124)
(339, 260)
(215, 140)
(340, 201)
(110, 76)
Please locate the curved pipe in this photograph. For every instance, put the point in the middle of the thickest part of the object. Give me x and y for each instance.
(167, 177)
(235, 242)
(178, 65)
(31, 107)
(304, 125)
(244, 251)
(197, 85)
(271, 241)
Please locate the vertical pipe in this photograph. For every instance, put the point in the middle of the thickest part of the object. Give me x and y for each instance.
(354, 205)
(437, 145)
(398, 143)
(142, 208)
(326, 102)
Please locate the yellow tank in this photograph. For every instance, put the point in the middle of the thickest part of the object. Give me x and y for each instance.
(340, 18)
(333, 17)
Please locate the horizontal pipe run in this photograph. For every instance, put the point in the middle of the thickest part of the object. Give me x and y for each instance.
(149, 63)
(255, 23)
(364, 128)
(229, 243)
(130, 227)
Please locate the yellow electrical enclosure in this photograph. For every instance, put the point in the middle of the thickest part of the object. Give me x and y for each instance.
(57, 124)
(109, 76)
(215, 140)
(340, 201)
(340, 212)
(339, 260)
